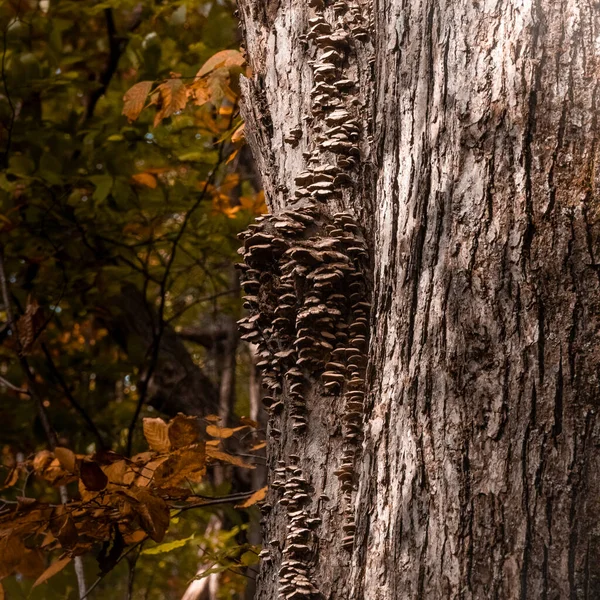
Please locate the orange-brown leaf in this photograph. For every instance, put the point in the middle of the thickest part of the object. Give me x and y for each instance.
(225, 58)
(185, 464)
(183, 431)
(215, 454)
(134, 99)
(12, 551)
(256, 497)
(170, 97)
(52, 570)
(145, 179)
(222, 432)
(156, 432)
(32, 563)
(152, 511)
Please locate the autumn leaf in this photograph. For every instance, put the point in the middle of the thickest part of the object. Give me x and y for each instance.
(52, 570)
(238, 135)
(32, 563)
(66, 458)
(215, 454)
(152, 511)
(225, 58)
(11, 478)
(256, 497)
(222, 432)
(156, 432)
(134, 99)
(186, 464)
(92, 476)
(12, 550)
(170, 97)
(183, 431)
(65, 531)
(145, 179)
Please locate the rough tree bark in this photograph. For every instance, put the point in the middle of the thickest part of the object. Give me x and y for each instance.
(461, 139)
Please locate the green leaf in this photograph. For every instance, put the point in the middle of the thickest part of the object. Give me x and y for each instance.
(103, 185)
(168, 546)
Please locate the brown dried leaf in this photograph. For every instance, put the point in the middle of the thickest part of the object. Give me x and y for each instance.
(156, 432)
(1, 592)
(11, 478)
(170, 97)
(52, 570)
(183, 431)
(32, 563)
(256, 497)
(115, 471)
(66, 458)
(12, 551)
(134, 99)
(28, 326)
(215, 454)
(65, 531)
(152, 511)
(186, 464)
(93, 477)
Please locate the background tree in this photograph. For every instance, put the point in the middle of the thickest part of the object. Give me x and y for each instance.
(117, 238)
(457, 142)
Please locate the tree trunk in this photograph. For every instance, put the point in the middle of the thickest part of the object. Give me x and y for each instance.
(460, 140)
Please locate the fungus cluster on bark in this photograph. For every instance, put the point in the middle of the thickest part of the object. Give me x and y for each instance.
(308, 298)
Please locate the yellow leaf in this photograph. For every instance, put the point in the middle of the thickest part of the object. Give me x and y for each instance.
(225, 58)
(259, 446)
(223, 456)
(145, 179)
(256, 497)
(134, 99)
(52, 570)
(66, 458)
(156, 432)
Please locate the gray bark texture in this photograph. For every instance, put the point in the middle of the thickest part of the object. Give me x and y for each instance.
(438, 161)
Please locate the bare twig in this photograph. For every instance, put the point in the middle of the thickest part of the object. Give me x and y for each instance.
(74, 403)
(12, 387)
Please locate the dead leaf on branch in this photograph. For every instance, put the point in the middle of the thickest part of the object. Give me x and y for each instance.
(258, 496)
(156, 432)
(135, 98)
(52, 570)
(169, 97)
(92, 476)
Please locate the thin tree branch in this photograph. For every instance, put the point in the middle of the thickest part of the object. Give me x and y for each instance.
(74, 403)
(13, 387)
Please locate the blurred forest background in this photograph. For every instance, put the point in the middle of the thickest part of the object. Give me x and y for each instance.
(124, 182)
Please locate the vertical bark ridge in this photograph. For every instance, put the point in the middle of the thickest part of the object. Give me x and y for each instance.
(477, 196)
